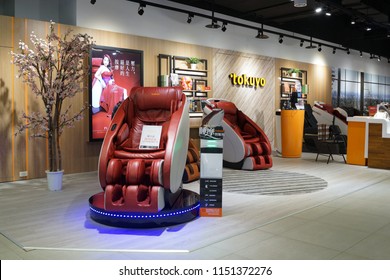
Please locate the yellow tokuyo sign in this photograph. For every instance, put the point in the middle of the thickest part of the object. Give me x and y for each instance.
(244, 80)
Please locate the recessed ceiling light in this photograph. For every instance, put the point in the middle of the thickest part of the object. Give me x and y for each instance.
(300, 3)
(318, 10)
(214, 25)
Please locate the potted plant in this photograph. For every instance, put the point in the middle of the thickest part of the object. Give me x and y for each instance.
(192, 61)
(294, 72)
(54, 69)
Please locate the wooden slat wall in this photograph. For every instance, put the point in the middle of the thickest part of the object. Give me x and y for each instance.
(6, 103)
(256, 103)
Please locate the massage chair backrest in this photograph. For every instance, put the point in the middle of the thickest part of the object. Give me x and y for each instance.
(326, 107)
(231, 113)
(341, 114)
(337, 112)
(148, 106)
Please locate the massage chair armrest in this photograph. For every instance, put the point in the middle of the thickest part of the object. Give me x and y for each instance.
(177, 147)
(109, 145)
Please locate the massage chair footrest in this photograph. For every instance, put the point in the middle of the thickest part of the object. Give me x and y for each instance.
(134, 198)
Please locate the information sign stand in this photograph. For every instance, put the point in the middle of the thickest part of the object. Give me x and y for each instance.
(211, 164)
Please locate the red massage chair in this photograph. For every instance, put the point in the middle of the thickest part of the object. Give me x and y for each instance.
(136, 179)
(245, 145)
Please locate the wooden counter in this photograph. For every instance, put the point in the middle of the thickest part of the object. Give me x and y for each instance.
(369, 142)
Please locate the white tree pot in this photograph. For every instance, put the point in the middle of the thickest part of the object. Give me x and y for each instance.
(54, 180)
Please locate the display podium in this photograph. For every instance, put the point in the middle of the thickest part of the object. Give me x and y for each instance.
(211, 164)
(292, 122)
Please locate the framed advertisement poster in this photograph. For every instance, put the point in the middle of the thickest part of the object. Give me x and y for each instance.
(113, 73)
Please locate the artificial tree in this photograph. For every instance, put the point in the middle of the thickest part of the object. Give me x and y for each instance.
(55, 70)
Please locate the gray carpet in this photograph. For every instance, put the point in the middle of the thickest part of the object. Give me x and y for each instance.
(270, 182)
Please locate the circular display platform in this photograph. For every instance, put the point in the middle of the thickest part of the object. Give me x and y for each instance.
(185, 209)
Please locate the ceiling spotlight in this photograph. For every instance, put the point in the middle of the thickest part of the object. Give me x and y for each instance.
(214, 24)
(300, 3)
(141, 9)
(224, 26)
(328, 13)
(361, 54)
(319, 48)
(93, 2)
(368, 28)
(348, 51)
(353, 21)
(334, 50)
(379, 58)
(189, 19)
(260, 34)
(280, 39)
(301, 43)
(318, 10)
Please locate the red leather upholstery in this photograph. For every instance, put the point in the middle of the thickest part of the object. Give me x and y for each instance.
(134, 179)
(96, 63)
(192, 168)
(245, 144)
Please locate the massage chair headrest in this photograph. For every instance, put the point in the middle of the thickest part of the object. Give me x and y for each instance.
(228, 107)
(149, 98)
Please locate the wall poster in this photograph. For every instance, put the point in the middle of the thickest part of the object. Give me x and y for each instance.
(113, 73)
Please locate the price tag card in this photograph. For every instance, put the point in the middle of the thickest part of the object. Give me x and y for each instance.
(150, 137)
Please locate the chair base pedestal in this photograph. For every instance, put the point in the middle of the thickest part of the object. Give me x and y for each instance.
(183, 210)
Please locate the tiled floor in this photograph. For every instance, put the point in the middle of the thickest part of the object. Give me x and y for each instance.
(350, 224)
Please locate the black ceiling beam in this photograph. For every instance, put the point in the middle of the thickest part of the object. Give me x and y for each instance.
(292, 15)
(267, 7)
